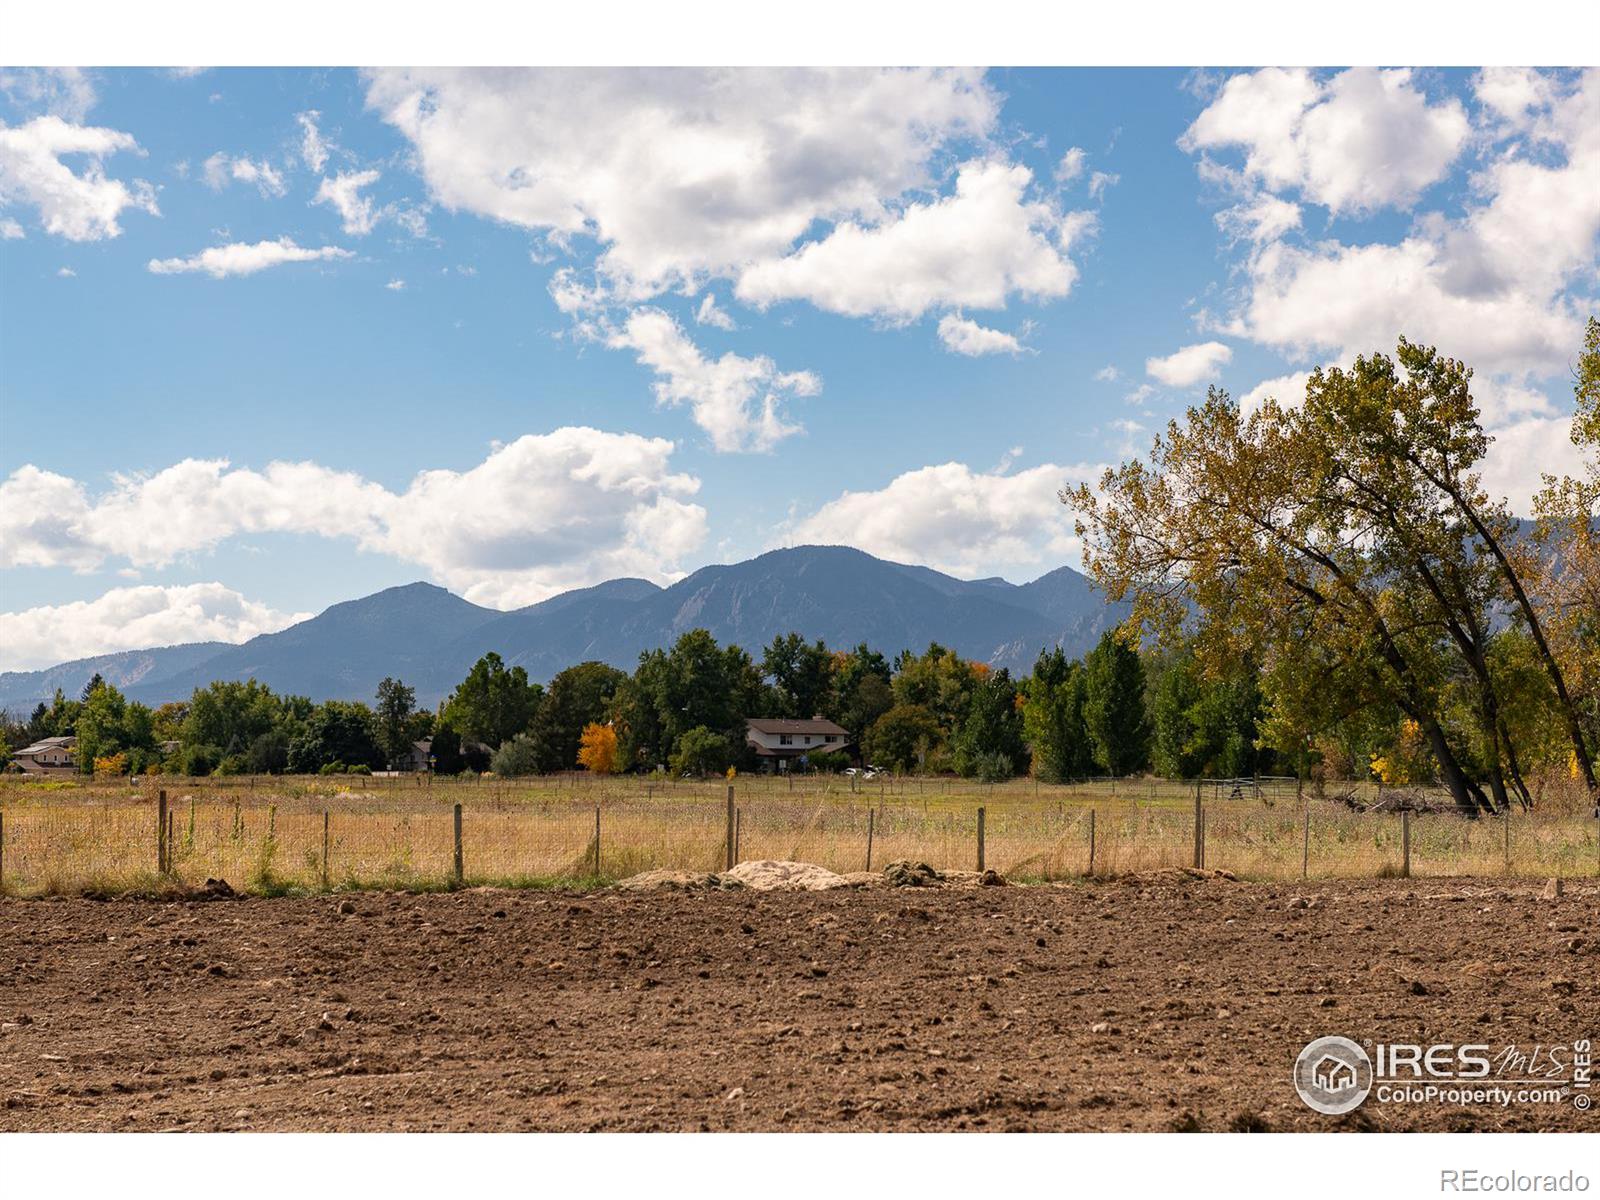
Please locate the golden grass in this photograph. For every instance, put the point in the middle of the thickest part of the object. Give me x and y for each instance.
(267, 835)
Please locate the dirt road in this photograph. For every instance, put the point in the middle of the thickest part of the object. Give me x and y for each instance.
(1154, 1004)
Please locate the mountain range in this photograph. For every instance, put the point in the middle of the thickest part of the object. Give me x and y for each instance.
(429, 637)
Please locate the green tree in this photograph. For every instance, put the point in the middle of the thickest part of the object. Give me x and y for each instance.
(395, 720)
(801, 674)
(862, 689)
(940, 681)
(701, 751)
(696, 683)
(579, 696)
(228, 715)
(1276, 533)
(337, 731)
(1113, 706)
(990, 740)
(901, 738)
(493, 703)
(1052, 719)
(1173, 750)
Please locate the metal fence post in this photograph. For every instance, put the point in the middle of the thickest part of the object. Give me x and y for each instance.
(730, 853)
(1305, 846)
(980, 839)
(1091, 841)
(597, 841)
(1405, 843)
(871, 820)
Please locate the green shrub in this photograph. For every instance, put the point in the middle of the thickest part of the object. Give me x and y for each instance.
(519, 756)
(701, 752)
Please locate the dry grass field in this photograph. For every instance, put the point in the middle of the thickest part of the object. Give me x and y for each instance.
(278, 835)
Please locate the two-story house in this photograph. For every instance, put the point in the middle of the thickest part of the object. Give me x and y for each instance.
(47, 756)
(780, 740)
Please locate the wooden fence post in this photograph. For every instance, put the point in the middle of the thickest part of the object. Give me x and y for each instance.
(730, 863)
(871, 821)
(161, 832)
(1405, 843)
(326, 822)
(1305, 846)
(460, 865)
(597, 841)
(1091, 841)
(1199, 829)
(980, 839)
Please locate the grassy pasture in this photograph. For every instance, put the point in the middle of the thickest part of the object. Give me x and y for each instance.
(68, 836)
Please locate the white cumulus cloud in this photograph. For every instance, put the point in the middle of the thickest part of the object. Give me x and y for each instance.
(957, 520)
(538, 515)
(738, 401)
(83, 205)
(679, 174)
(1503, 282)
(1190, 365)
(972, 249)
(243, 258)
(1360, 140)
(962, 335)
(130, 618)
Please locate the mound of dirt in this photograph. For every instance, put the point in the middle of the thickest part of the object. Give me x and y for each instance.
(767, 875)
(905, 873)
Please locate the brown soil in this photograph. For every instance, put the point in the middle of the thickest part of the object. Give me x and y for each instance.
(1159, 1003)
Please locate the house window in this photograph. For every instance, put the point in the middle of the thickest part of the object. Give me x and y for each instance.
(785, 740)
(829, 738)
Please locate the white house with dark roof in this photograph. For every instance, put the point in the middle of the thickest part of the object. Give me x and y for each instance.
(780, 740)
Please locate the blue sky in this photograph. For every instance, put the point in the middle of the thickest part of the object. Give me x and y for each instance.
(274, 339)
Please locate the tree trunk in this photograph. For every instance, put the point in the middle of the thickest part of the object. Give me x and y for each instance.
(1469, 798)
(1569, 710)
(1517, 781)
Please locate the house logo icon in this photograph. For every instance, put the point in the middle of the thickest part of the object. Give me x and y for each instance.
(1333, 1075)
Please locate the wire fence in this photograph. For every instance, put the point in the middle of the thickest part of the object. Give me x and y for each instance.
(273, 834)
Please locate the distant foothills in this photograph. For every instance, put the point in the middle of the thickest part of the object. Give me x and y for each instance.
(431, 638)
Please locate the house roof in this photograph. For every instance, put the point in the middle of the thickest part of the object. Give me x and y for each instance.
(49, 743)
(792, 725)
